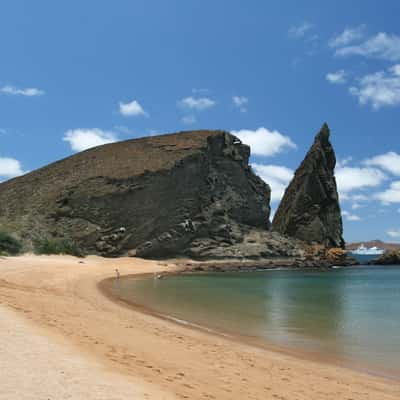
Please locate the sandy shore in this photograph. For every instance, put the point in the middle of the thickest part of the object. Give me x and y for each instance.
(62, 338)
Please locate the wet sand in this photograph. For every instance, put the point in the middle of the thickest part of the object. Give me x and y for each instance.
(54, 318)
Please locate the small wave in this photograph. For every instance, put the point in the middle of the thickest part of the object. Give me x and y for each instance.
(193, 325)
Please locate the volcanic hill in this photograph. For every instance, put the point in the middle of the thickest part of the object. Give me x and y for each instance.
(190, 194)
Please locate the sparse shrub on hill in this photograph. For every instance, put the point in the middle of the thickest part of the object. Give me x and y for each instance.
(57, 246)
(9, 245)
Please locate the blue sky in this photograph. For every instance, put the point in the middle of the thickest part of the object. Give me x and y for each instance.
(76, 74)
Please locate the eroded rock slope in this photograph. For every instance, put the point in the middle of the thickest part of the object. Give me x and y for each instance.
(310, 209)
(182, 194)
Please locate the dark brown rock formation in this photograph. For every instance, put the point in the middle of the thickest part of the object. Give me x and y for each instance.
(186, 194)
(310, 208)
(388, 258)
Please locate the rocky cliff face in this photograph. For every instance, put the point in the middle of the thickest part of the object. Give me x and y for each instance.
(182, 194)
(388, 258)
(310, 208)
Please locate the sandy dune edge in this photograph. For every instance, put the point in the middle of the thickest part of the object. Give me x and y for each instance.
(113, 349)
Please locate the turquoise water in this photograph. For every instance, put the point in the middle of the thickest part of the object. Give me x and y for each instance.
(350, 314)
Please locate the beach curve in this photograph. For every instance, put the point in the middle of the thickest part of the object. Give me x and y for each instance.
(58, 296)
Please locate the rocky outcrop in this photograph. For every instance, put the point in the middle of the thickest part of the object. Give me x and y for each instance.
(187, 194)
(310, 208)
(190, 194)
(388, 258)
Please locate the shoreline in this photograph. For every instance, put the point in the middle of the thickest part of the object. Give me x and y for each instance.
(60, 298)
(315, 356)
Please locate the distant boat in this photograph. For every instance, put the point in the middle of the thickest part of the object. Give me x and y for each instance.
(368, 251)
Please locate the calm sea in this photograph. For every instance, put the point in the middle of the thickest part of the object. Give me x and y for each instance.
(349, 314)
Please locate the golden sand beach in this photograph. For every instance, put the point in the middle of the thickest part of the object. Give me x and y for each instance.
(63, 338)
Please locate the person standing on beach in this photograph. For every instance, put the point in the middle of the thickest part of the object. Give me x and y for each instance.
(117, 273)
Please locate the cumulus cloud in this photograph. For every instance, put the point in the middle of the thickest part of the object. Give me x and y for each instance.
(389, 162)
(360, 197)
(10, 167)
(391, 195)
(240, 102)
(27, 92)
(381, 46)
(83, 139)
(350, 217)
(299, 31)
(341, 162)
(131, 109)
(196, 103)
(354, 197)
(264, 142)
(349, 35)
(353, 178)
(278, 177)
(393, 233)
(379, 89)
(337, 77)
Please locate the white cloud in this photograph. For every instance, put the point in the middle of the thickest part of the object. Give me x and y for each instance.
(276, 176)
(380, 89)
(196, 104)
(353, 217)
(394, 233)
(389, 162)
(82, 139)
(299, 31)
(352, 178)
(391, 195)
(189, 119)
(131, 109)
(337, 77)
(347, 36)
(240, 102)
(343, 162)
(350, 217)
(10, 167)
(356, 206)
(356, 198)
(264, 142)
(360, 197)
(382, 46)
(28, 92)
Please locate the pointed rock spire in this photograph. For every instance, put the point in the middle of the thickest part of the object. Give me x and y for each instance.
(310, 208)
